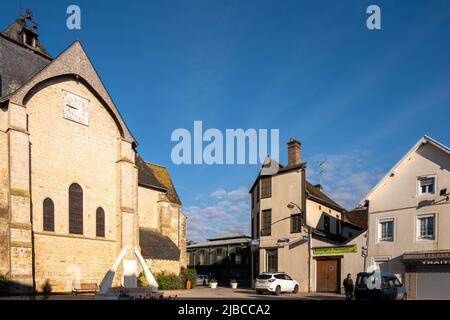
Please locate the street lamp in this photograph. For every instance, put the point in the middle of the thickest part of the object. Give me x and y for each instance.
(291, 206)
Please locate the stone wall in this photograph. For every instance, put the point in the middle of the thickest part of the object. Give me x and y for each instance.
(65, 152)
(4, 196)
(148, 208)
(169, 219)
(183, 245)
(157, 212)
(63, 261)
(167, 266)
(52, 153)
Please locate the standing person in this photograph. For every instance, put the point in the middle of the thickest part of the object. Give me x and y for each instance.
(349, 287)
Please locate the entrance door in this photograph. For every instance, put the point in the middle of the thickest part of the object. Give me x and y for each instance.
(327, 278)
(272, 260)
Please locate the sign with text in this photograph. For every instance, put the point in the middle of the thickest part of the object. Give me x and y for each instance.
(334, 250)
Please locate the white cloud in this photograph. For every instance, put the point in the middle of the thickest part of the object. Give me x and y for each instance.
(212, 217)
(241, 193)
(219, 194)
(345, 178)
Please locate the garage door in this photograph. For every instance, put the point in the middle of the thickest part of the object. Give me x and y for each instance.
(433, 282)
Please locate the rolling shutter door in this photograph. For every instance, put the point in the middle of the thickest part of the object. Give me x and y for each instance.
(433, 282)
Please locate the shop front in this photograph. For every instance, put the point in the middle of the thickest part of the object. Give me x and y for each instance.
(332, 263)
(427, 275)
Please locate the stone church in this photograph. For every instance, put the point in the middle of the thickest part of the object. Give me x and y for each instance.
(74, 192)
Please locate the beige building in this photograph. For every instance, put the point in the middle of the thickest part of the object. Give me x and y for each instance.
(289, 217)
(73, 191)
(409, 220)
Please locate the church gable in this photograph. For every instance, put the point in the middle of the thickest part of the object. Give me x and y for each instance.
(72, 63)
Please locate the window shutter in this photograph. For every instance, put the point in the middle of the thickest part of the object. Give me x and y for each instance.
(267, 223)
(266, 187)
(75, 209)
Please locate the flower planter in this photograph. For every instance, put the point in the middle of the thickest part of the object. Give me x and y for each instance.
(234, 285)
(213, 285)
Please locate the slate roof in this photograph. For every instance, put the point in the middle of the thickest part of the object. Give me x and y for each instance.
(328, 237)
(358, 216)
(162, 174)
(317, 195)
(229, 236)
(156, 246)
(215, 243)
(14, 32)
(19, 62)
(146, 176)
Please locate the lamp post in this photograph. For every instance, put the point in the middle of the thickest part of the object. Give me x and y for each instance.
(291, 206)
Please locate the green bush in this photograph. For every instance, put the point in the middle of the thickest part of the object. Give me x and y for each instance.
(141, 280)
(169, 281)
(189, 274)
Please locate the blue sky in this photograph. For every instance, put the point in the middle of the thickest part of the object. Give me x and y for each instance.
(312, 69)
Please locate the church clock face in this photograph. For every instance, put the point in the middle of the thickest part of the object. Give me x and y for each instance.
(76, 108)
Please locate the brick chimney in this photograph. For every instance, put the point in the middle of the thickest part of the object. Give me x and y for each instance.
(294, 151)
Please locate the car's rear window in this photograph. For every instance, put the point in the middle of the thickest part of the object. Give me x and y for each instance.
(362, 281)
(264, 277)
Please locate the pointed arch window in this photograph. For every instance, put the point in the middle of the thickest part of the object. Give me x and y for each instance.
(75, 209)
(100, 222)
(49, 215)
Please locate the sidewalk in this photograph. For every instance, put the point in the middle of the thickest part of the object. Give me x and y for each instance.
(244, 293)
(204, 293)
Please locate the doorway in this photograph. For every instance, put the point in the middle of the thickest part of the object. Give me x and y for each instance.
(328, 275)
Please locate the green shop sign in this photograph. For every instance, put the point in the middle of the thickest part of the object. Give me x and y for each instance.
(333, 250)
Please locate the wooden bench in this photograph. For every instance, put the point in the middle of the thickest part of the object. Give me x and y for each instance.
(85, 288)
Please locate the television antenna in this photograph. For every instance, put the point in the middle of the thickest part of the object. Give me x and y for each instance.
(321, 171)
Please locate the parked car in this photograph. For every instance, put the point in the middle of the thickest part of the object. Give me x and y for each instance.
(202, 280)
(275, 283)
(391, 288)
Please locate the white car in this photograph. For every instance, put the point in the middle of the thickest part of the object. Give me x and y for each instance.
(276, 283)
(202, 280)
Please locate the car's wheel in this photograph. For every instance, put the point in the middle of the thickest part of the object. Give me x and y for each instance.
(259, 292)
(296, 289)
(405, 297)
(204, 282)
(278, 291)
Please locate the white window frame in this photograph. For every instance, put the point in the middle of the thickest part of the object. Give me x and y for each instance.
(418, 227)
(419, 188)
(379, 231)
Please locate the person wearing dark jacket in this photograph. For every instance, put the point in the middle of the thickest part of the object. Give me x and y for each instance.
(349, 287)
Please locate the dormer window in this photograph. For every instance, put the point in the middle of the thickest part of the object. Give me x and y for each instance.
(427, 185)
